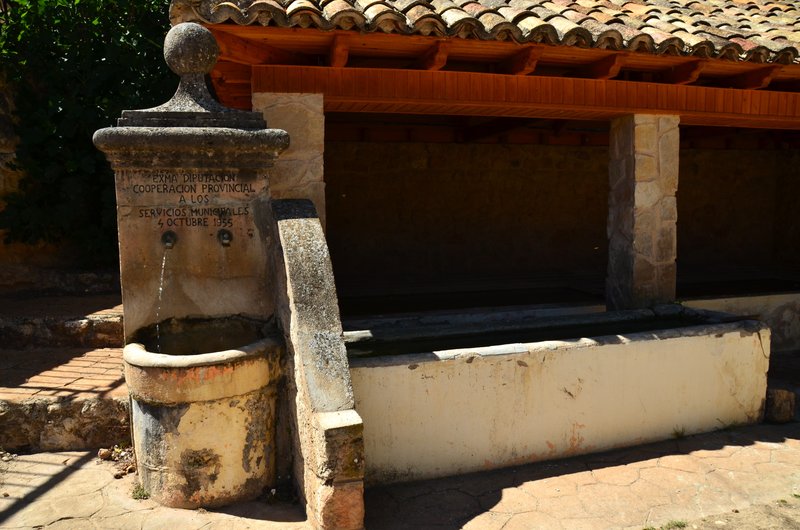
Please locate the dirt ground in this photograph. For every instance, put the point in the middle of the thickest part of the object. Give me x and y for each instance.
(783, 514)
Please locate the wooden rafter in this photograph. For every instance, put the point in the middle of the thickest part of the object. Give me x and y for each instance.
(339, 52)
(606, 68)
(683, 74)
(435, 58)
(245, 51)
(755, 79)
(521, 63)
(275, 45)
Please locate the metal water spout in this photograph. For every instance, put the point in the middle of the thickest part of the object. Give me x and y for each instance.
(225, 237)
(168, 239)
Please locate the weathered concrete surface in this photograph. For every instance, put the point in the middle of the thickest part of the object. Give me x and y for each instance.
(458, 411)
(642, 211)
(201, 275)
(781, 312)
(299, 173)
(327, 441)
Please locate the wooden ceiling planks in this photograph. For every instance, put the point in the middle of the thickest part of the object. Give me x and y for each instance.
(478, 94)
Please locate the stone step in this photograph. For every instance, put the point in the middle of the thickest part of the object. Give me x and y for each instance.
(91, 321)
(55, 399)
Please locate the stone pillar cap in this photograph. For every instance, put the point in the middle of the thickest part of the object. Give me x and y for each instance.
(191, 51)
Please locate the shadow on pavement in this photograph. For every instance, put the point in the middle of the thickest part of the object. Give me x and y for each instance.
(451, 502)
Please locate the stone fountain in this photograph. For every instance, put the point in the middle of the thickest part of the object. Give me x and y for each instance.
(234, 358)
(203, 357)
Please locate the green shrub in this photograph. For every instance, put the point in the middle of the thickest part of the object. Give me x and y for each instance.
(72, 66)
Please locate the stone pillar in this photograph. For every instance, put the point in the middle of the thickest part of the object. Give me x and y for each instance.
(299, 172)
(642, 212)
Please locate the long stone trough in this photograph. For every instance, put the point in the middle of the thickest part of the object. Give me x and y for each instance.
(447, 411)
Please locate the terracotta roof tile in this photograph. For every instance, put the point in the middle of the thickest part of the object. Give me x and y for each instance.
(756, 30)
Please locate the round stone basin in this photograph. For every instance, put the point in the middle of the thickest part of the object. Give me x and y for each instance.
(203, 409)
(194, 336)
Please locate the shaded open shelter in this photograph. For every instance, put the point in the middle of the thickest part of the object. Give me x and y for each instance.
(489, 165)
(466, 144)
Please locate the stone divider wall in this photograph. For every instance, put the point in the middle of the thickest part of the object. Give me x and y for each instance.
(327, 445)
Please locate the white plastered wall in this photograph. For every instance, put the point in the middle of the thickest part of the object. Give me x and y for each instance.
(455, 412)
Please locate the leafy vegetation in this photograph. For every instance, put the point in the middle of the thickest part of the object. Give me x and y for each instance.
(71, 67)
(139, 493)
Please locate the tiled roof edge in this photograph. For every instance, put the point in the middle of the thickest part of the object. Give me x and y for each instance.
(422, 18)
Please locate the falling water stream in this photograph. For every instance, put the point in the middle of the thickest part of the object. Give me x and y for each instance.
(158, 306)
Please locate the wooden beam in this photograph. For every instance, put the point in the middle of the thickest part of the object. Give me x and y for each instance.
(435, 58)
(477, 94)
(521, 63)
(754, 79)
(227, 72)
(683, 74)
(606, 68)
(339, 52)
(245, 51)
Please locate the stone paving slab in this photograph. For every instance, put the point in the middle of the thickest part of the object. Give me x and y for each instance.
(745, 478)
(76, 491)
(679, 480)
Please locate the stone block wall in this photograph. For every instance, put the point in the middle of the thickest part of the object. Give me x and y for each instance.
(642, 211)
(299, 171)
(737, 210)
(442, 215)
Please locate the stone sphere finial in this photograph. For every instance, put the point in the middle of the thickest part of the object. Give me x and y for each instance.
(190, 48)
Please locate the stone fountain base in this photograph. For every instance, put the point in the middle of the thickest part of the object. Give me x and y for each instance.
(203, 424)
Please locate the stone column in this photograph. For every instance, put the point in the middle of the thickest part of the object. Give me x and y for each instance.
(299, 172)
(642, 211)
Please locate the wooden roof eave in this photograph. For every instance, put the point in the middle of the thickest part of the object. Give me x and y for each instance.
(249, 53)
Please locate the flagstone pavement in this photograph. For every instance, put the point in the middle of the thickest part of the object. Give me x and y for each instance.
(747, 478)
